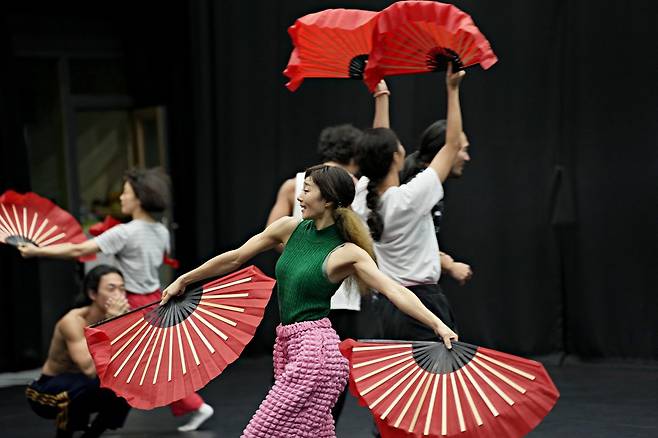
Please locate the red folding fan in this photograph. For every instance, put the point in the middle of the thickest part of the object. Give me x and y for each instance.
(29, 218)
(334, 43)
(155, 357)
(417, 389)
(423, 36)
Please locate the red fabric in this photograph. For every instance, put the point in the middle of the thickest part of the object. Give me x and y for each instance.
(408, 33)
(38, 220)
(174, 263)
(393, 386)
(151, 365)
(186, 405)
(326, 42)
(101, 227)
(139, 300)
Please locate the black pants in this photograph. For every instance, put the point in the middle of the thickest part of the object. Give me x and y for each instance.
(396, 325)
(399, 326)
(345, 322)
(71, 398)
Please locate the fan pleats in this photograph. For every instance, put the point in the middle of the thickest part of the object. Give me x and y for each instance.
(154, 356)
(424, 389)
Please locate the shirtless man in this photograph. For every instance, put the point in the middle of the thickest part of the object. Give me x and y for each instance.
(68, 389)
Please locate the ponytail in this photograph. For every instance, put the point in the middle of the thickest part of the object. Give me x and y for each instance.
(376, 150)
(336, 186)
(352, 230)
(375, 220)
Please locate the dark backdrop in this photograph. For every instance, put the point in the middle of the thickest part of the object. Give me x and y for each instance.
(556, 213)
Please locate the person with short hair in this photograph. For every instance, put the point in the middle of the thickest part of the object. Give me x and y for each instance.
(139, 247)
(431, 140)
(68, 389)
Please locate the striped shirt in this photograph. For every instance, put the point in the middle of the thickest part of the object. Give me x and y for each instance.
(138, 247)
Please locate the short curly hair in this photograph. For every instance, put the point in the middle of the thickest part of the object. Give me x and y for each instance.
(152, 188)
(338, 143)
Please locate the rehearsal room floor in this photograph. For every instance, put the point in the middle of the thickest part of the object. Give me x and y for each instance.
(608, 399)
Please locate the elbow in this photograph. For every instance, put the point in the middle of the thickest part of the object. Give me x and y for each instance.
(236, 260)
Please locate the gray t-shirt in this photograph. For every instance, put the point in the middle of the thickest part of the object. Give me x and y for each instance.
(138, 247)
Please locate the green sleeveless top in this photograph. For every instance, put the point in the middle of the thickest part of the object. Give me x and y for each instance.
(303, 289)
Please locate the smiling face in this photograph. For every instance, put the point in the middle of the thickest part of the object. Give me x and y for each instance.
(129, 200)
(312, 203)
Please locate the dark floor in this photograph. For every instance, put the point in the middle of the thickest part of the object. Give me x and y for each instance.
(602, 400)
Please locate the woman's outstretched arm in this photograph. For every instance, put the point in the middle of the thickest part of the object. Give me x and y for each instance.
(275, 234)
(352, 259)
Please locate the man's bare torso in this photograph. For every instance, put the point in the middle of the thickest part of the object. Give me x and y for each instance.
(59, 360)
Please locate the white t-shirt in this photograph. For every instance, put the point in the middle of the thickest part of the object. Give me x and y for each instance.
(138, 247)
(347, 296)
(407, 251)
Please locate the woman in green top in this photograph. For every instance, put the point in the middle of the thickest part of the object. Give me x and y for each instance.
(329, 245)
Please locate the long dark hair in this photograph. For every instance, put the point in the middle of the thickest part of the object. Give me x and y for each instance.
(152, 188)
(376, 149)
(432, 140)
(337, 186)
(91, 281)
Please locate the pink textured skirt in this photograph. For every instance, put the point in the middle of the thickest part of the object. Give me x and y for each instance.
(310, 374)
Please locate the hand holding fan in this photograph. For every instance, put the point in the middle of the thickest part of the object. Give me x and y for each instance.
(31, 219)
(417, 389)
(423, 36)
(155, 355)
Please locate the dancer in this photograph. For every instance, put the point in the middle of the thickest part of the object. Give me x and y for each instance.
(399, 217)
(431, 140)
(329, 245)
(336, 147)
(139, 247)
(68, 389)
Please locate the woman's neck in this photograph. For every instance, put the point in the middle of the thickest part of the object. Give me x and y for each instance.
(142, 215)
(392, 179)
(325, 221)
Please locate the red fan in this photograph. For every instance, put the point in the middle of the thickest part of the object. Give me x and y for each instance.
(423, 36)
(419, 389)
(334, 43)
(153, 358)
(29, 218)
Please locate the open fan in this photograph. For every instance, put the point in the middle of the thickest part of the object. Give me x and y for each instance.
(417, 389)
(153, 356)
(334, 43)
(30, 218)
(423, 36)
